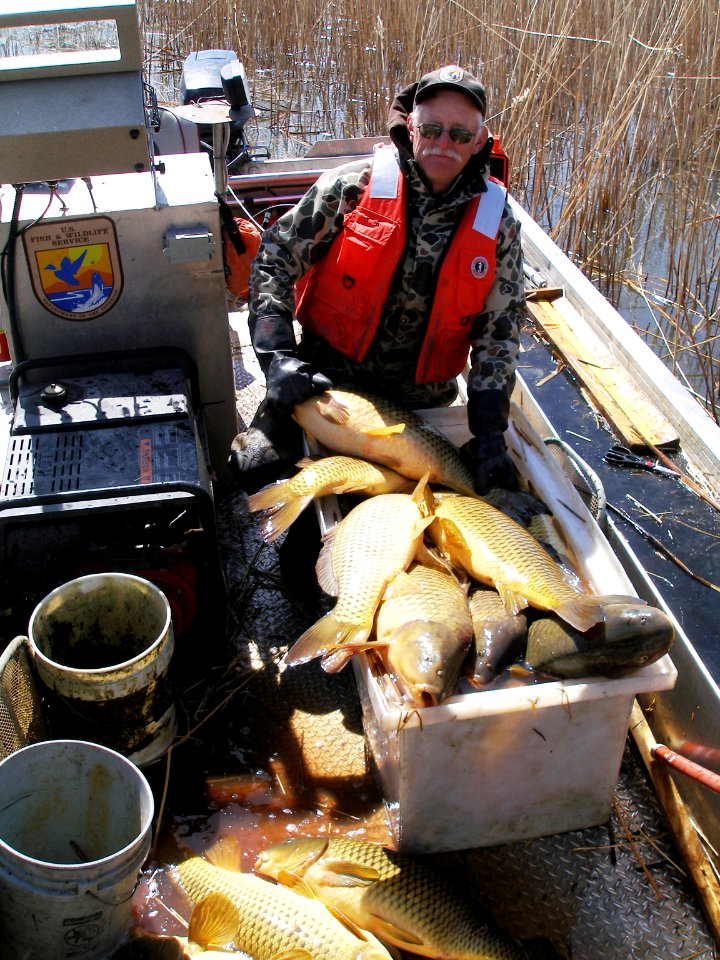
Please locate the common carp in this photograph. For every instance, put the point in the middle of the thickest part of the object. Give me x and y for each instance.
(360, 557)
(496, 550)
(282, 502)
(376, 429)
(631, 636)
(390, 894)
(425, 621)
(499, 636)
(274, 922)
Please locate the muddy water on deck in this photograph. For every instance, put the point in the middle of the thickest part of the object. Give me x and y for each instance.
(269, 753)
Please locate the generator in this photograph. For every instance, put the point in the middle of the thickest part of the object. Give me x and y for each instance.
(119, 396)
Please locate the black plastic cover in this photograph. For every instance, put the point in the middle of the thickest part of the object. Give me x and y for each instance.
(201, 74)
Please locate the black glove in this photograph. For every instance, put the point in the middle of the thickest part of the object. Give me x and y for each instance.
(291, 380)
(493, 466)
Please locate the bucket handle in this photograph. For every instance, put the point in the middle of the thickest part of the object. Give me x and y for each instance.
(112, 903)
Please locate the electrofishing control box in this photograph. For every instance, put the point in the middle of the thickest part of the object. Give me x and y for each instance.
(122, 387)
(523, 761)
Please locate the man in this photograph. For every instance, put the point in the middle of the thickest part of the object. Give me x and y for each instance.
(396, 268)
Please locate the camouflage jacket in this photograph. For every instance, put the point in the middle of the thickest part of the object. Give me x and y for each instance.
(303, 235)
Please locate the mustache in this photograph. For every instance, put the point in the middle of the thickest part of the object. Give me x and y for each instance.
(440, 152)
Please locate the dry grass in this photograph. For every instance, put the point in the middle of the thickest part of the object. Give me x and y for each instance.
(610, 112)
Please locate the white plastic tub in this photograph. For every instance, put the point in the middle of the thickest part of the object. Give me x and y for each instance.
(504, 765)
(498, 766)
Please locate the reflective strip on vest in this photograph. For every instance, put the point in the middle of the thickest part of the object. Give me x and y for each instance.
(490, 209)
(385, 175)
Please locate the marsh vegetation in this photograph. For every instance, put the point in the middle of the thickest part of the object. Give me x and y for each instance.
(609, 110)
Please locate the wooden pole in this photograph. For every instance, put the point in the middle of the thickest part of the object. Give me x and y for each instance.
(684, 834)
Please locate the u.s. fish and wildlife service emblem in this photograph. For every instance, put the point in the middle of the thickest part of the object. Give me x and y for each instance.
(74, 266)
(452, 73)
(479, 267)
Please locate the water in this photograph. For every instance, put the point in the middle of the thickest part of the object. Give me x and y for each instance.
(661, 276)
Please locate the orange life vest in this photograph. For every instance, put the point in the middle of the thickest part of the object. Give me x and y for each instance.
(342, 297)
(240, 243)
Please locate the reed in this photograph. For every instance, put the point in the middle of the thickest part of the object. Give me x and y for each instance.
(609, 109)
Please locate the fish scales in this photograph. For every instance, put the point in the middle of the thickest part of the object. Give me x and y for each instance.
(496, 550)
(376, 540)
(274, 921)
(362, 554)
(391, 894)
(379, 430)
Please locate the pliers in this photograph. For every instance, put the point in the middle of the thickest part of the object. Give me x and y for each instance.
(620, 456)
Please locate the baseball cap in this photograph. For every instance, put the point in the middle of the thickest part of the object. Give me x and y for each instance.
(452, 78)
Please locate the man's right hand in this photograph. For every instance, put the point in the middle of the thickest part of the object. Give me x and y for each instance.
(290, 381)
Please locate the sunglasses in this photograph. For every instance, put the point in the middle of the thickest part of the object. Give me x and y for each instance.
(432, 131)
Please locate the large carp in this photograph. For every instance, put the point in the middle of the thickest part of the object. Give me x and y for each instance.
(282, 502)
(390, 894)
(496, 550)
(376, 429)
(630, 637)
(425, 621)
(375, 542)
(273, 922)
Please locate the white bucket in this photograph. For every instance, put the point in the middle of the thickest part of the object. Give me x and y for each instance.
(75, 827)
(102, 646)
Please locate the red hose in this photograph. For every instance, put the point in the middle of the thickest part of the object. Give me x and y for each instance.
(691, 769)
